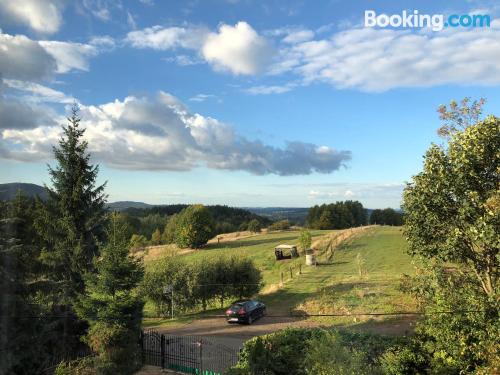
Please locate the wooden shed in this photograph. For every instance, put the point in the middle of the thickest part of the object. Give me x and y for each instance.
(285, 252)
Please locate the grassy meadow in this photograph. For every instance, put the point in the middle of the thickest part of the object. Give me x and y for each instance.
(335, 286)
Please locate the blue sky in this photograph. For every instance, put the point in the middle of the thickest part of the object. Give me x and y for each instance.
(245, 103)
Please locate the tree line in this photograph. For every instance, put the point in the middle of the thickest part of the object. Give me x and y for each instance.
(147, 222)
(199, 284)
(387, 216)
(339, 215)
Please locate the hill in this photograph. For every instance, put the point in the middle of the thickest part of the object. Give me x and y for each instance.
(295, 215)
(9, 191)
(125, 205)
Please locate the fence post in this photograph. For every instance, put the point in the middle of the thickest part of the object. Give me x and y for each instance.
(291, 273)
(300, 268)
(201, 356)
(143, 356)
(281, 280)
(162, 351)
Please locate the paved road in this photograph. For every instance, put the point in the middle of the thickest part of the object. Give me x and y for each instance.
(217, 330)
(234, 335)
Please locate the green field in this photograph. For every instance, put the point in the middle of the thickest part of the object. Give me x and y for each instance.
(335, 285)
(260, 249)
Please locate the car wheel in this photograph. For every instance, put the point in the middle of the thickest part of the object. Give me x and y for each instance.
(249, 320)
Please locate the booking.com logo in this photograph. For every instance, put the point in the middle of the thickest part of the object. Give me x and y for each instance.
(416, 20)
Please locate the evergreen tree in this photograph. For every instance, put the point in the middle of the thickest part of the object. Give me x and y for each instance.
(74, 217)
(111, 305)
(21, 351)
(71, 223)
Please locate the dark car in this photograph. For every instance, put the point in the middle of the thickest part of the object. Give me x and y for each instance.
(246, 311)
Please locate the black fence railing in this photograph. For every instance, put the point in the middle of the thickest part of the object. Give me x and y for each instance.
(189, 354)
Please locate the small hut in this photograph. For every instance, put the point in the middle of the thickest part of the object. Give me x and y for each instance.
(285, 252)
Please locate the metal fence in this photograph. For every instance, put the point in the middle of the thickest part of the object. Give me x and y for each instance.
(189, 354)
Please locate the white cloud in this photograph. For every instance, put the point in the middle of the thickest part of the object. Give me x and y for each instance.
(298, 36)
(16, 114)
(202, 97)
(238, 49)
(38, 93)
(70, 56)
(161, 38)
(100, 8)
(184, 60)
(382, 59)
(162, 134)
(43, 16)
(28, 60)
(349, 193)
(267, 90)
(23, 58)
(359, 190)
(102, 42)
(131, 21)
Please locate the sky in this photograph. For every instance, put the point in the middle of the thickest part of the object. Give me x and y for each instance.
(239, 102)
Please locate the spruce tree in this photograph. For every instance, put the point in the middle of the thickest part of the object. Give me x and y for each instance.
(111, 305)
(21, 351)
(71, 224)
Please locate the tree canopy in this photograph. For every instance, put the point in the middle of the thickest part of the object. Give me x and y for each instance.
(339, 215)
(194, 227)
(452, 221)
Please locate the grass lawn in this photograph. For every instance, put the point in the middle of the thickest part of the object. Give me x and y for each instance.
(335, 285)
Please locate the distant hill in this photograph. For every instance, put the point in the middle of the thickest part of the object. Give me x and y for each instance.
(9, 191)
(124, 205)
(295, 215)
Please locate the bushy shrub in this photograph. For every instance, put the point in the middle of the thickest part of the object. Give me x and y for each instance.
(280, 225)
(305, 240)
(254, 226)
(329, 354)
(408, 360)
(296, 351)
(88, 366)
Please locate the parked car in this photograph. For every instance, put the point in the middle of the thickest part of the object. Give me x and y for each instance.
(246, 311)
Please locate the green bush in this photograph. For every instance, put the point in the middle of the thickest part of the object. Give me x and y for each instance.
(254, 226)
(317, 351)
(199, 284)
(329, 354)
(305, 240)
(404, 360)
(280, 225)
(194, 227)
